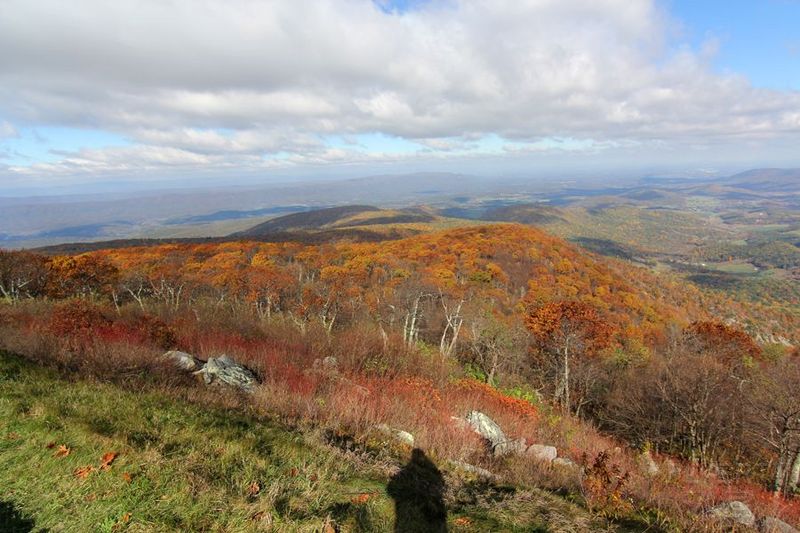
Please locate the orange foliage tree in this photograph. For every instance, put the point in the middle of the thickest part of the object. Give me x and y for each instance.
(565, 330)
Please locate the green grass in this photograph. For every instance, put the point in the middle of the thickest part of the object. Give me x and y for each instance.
(190, 467)
(183, 466)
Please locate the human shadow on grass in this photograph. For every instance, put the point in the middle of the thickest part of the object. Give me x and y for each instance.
(418, 493)
(11, 521)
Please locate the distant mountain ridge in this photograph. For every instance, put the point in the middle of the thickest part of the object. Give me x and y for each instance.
(332, 218)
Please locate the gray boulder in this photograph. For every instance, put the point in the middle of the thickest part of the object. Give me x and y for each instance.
(486, 428)
(648, 464)
(542, 453)
(472, 469)
(183, 360)
(735, 512)
(771, 524)
(562, 463)
(224, 370)
(671, 468)
(400, 435)
(510, 446)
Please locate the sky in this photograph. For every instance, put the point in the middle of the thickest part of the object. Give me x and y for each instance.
(96, 93)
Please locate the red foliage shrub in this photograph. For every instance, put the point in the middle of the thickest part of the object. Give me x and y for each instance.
(603, 485)
(79, 319)
(158, 332)
(494, 400)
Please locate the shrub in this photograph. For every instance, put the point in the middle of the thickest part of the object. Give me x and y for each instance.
(80, 319)
(158, 332)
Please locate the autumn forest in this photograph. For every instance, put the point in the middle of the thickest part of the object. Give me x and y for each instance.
(612, 363)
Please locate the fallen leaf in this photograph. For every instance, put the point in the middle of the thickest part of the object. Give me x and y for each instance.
(91, 497)
(313, 477)
(294, 472)
(62, 451)
(127, 477)
(254, 488)
(50, 445)
(126, 518)
(360, 499)
(462, 521)
(83, 472)
(107, 459)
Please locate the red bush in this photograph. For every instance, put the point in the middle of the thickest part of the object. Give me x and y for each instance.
(79, 319)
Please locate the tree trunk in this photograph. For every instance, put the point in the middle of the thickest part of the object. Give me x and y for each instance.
(794, 473)
(780, 473)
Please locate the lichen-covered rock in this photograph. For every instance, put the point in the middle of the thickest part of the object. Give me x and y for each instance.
(183, 360)
(542, 453)
(735, 512)
(472, 469)
(671, 468)
(566, 464)
(648, 464)
(486, 428)
(224, 370)
(771, 524)
(402, 436)
(510, 447)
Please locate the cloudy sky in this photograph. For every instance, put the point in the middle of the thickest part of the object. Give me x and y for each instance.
(152, 91)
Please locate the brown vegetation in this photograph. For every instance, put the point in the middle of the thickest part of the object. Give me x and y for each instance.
(504, 319)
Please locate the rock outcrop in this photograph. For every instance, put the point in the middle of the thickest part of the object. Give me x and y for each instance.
(472, 469)
(734, 512)
(567, 464)
(486, 428)
(771, 524)
(400, 435)
(183, 360)
(494, 436)
(226, 371)
(542, 453)
(516, 446)
(648, 464)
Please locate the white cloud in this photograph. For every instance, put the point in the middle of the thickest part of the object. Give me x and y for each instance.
(7, 130)
(224, 83)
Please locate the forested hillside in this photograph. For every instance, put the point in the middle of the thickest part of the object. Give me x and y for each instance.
(666, 399)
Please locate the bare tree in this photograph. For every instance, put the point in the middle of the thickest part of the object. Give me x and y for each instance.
(774, 419)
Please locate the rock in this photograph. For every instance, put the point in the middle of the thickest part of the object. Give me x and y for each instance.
(225, 370)
(567, 464)
(402, 436)
(183, 360)
(542, 453)
(405, 437)
(771, 524)
(486, 428)
(735, 512)
(472, 469)
(648, 464)
(510, 446)
(671, 468)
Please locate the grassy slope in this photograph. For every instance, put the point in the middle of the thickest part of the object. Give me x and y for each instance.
(191, 468)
